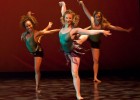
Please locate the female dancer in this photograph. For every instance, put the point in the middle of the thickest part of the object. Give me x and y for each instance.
(98, 21)
(32, 38)
(67, 35)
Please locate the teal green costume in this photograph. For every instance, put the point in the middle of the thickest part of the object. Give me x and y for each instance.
(66, 42)
(33, 47)
(70, 47)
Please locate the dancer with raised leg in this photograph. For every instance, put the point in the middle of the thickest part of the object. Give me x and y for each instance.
(32, 38)
(67, 35)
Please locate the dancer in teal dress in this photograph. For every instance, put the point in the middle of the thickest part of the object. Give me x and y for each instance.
(67, 36)
(32, 38)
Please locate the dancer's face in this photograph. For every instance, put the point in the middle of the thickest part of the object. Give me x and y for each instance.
(29, 26)
(98, 17)
(68, 19)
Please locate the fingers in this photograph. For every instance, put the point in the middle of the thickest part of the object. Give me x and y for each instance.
(106, 33)
(29, 13)
(79, 1)
(61, 3)
(50, 24)
(130, 29)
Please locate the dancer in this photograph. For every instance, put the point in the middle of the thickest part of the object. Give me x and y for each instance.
(98, 21)
(32, 38)
(67, 36)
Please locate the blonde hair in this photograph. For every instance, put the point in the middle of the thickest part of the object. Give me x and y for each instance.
(75, 19)
(30, 18)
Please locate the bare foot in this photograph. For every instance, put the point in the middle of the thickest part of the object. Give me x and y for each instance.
(79, 98)
(96, 80)
(38, 91)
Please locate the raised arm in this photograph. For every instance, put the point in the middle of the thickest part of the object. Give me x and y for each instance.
(49, 26)
(29, 13)
(118, 28)
(46, 30)
(63, 7)
(85, 9)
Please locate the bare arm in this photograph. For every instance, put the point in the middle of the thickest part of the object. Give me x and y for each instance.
(85, 9)
(23, 36)
(117, 28)
(48, 27)
(90, 32)
(45, 32)
(63, 7)
(82, 38)
(87, 27)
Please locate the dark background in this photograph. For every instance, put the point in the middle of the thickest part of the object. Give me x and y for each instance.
(121, 51)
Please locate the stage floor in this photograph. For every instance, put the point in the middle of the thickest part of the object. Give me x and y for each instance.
(111, 88)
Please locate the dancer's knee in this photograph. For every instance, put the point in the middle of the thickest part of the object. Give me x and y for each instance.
(74, 74)
(96, 61)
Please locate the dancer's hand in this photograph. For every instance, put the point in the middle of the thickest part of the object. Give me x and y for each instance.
(48, 27)
(106, 33)
(61, 3)
(50, 24)
(80, 2)
(130, 29)
(29, 13)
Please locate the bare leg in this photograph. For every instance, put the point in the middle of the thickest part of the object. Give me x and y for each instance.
(75, 61)
(37, 62)
(95, 55)
(82, 39)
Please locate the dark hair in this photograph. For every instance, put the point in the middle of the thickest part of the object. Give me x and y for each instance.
(104, 22)
(30, 18)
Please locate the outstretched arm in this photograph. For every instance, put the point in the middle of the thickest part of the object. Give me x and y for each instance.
(87, 27)
(85, 9)
(90, 32)
(45, 31)
(63, 7)
(117, 28)
(48, 27)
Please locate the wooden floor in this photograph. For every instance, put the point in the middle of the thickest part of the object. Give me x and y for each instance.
(61, 88)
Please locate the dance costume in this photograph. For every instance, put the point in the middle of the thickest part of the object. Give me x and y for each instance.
(70, 47)
(33, 47)
(95, 40)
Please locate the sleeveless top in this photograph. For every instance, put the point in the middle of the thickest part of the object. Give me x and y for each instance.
(70, 47)
(66, 42)
(31, 45)
(95, 38)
